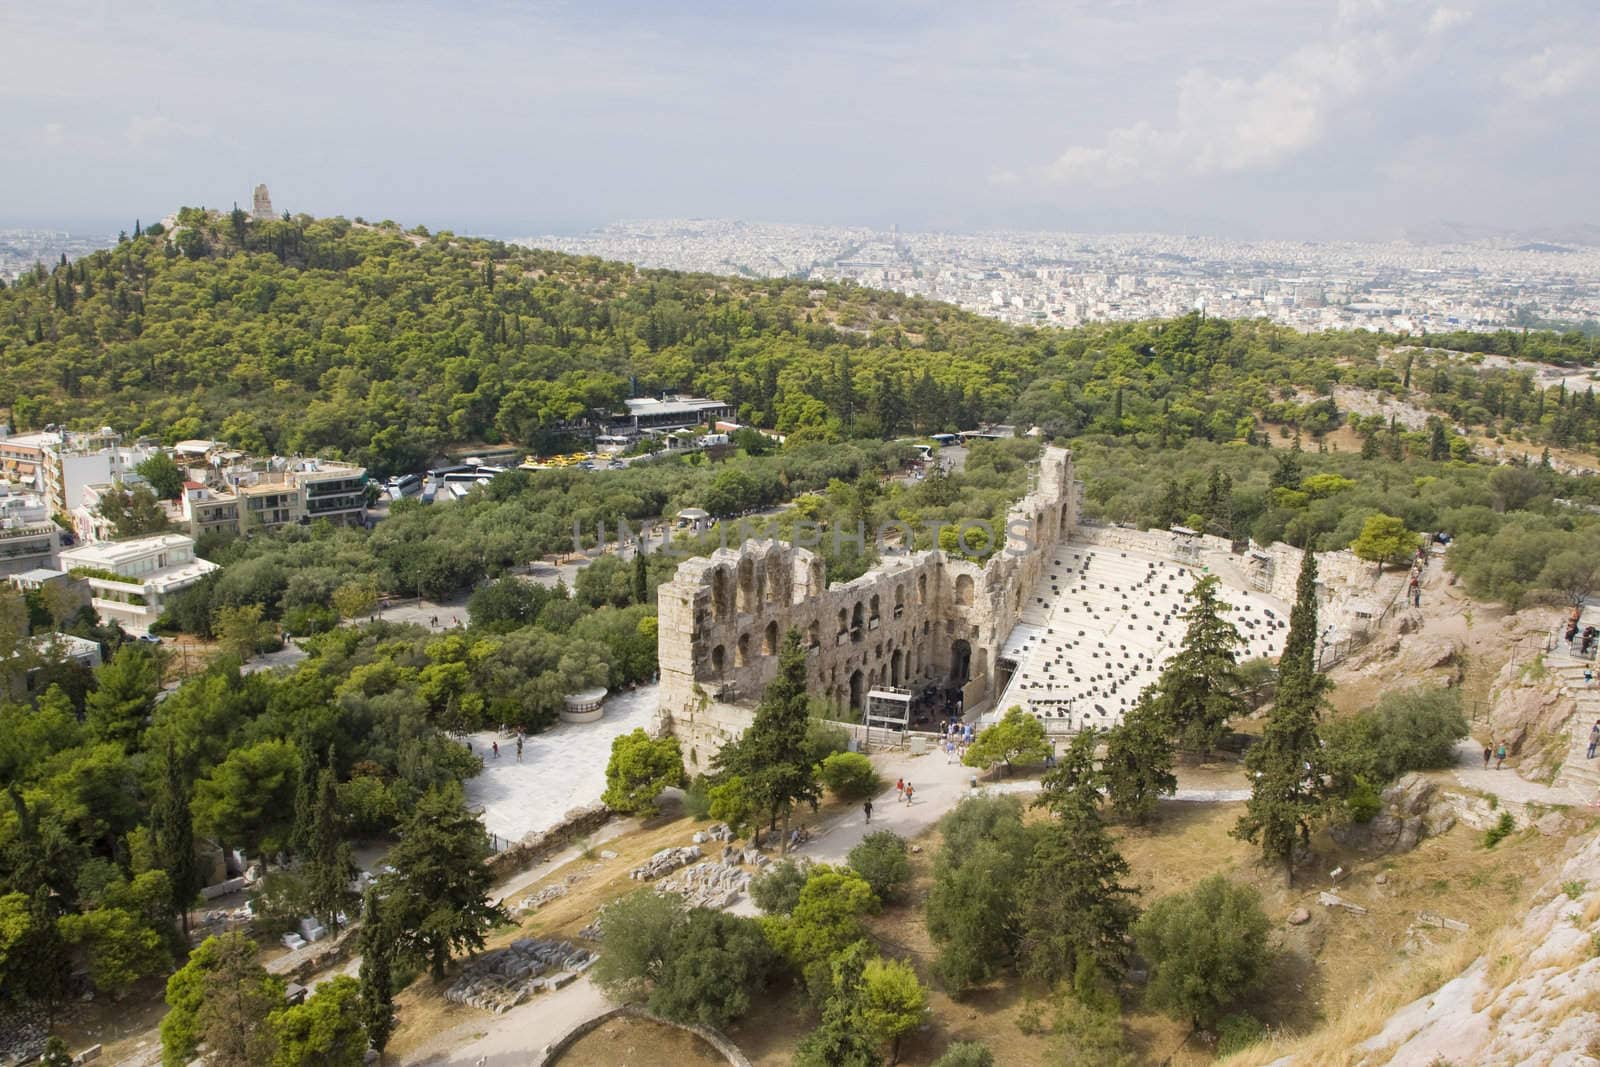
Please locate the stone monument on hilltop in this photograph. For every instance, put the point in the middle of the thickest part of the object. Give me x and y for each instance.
(261, 210)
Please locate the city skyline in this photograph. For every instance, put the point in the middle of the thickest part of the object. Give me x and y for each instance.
(1350, 120)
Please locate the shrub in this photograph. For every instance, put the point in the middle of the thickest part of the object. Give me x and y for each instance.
(777, 891)
(1237, 1032)
(1414, 730)
(1574, 888)
(697, 798)
(1206, 947)
(850, 776)
(880, 858)
(966, 1054)
(1363, 802)
(1500, 830)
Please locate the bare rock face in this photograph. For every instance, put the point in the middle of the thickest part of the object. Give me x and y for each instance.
(1526, 709)
(1543, 1015)
(1407, 817)
(1299, 917)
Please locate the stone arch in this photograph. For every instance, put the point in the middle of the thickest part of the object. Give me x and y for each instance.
(719, 658)
(856, 622)
(742, 656)
(747, 585)
(897, 667)
(844, 622)
(769, 639)
(899, 599)
(960, 662)
(873, 611)
(721, 593)
(858, 692)
(1064, 516)
(922, 589)
(964, 590)
(814, 634)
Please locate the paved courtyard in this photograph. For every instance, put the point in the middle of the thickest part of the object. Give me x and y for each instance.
(561, 769)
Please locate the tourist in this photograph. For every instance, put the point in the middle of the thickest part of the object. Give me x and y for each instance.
(1488, 754)
(1500, 755)
(1588, 676)
(899, 790)
(867, 807)
(519, 748)
(1594, 739)
(496, 750)
(908, 792)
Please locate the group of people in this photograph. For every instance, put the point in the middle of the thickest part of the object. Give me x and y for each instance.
(1580, 642)
(957, 736)
(1414, 584)
(1497, 752)
(495, 745)
(903, 792)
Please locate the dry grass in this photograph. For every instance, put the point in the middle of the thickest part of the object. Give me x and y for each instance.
(624, 1042)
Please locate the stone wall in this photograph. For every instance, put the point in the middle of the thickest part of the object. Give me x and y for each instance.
(715, 1038)
(579, 822)
(916, 618)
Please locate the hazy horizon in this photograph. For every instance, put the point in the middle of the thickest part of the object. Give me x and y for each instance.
(1339, 120)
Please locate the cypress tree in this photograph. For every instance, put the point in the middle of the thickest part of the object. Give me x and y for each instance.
(641, 576)
(174, 834)
(1138, 762)
(1286, 766)
(377, 974)
(330, 867)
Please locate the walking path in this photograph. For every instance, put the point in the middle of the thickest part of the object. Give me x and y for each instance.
(1505, 783)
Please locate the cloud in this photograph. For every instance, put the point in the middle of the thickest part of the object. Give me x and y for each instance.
(1231, 124)
(1554, 72)
(54, 133)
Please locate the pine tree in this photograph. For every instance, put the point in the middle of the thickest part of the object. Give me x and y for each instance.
(437, 896)
(1138, 762)
(329, 865)
(1072, 906)
(174, 835)
(1198, 691)
(771, 756)
(377, 973)
(1287, 793)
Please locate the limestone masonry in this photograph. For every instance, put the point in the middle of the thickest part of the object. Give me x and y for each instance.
(916, 618)
(922, 619)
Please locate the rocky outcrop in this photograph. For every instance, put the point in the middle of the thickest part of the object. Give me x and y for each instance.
(1533, 999)
(1529, 709)
(1411, 811)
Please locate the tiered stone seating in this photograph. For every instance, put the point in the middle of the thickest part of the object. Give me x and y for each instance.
(1100, 626)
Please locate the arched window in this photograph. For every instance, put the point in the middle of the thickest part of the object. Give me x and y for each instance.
(718, 658)
(743, 656)
(964, 589)
(769, 640)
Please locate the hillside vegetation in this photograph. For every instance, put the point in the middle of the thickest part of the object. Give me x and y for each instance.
(382, 346)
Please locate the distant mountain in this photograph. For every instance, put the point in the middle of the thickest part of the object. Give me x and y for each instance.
(1551, 238)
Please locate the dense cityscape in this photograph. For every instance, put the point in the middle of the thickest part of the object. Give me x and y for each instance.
(1068, 279)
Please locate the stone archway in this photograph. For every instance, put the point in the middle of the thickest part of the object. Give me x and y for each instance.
(960, 662)
(896, 667)
(858, 691)
(964, 590)
(769, 639)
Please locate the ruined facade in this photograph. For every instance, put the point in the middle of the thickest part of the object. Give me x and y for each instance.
(916, 618)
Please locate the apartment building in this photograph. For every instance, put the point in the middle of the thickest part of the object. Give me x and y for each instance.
(28, 538)
(130, 581)
(305, 491)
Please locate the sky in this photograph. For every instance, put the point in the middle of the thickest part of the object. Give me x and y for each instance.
(1324, 120)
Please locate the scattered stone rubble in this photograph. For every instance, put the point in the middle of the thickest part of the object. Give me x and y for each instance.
(22, 1034)
(710, 884)
(718, 831)
(665, 862)
(500, 980)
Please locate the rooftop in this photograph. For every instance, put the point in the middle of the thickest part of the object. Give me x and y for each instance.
(110, 554)
(671, 405)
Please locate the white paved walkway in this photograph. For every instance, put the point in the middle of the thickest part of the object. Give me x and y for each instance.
(562, 768)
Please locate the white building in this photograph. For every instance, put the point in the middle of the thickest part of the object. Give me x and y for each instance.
(28, 538)
(130, 581)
